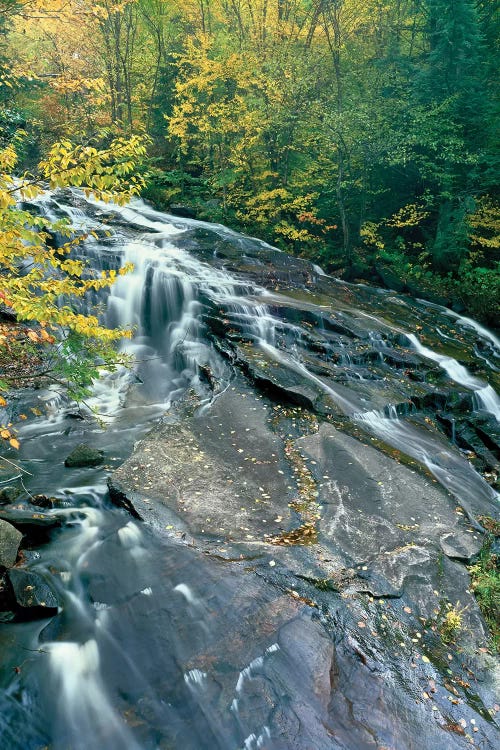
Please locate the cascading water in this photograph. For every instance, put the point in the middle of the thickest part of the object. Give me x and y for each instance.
(126, 663)
(486, 397)
(162, 300)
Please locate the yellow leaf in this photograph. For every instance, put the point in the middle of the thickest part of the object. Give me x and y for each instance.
(14, 443)
(5, 434)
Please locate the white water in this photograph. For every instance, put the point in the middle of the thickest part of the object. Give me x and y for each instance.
(163, 300)
(487, 398)
(83, 699)
(481, 330)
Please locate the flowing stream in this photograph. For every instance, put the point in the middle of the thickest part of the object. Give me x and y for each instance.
(119, 667)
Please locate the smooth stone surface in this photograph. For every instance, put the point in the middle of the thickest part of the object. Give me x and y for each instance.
(460, 546)
(211, 473)
(386, 520)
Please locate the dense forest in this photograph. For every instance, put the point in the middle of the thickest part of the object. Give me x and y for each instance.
(358, 134)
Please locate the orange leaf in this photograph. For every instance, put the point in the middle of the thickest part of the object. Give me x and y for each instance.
(3, 402)
(5, 434)
(14, 443)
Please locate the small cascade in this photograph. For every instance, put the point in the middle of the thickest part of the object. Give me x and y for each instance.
(83, 701)
(481, 330)
(449, 467)
(487, 399)
(485, 396)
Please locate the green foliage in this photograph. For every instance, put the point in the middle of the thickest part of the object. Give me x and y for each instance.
(78, 361)
(62, 343)
(358, 134)
(450, 621)
(485, 576)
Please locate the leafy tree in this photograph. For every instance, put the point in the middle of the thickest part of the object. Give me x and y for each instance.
(36, 275)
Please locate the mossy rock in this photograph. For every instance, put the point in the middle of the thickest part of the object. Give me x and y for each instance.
(84, 455)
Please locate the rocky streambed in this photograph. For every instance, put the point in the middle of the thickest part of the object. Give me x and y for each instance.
(283, 559)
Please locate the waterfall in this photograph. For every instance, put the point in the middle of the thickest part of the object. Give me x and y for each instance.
(170, 291)
(128, 661)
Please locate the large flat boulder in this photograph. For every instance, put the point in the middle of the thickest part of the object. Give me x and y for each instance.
(220, 475)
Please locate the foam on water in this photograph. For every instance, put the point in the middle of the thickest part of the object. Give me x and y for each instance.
(82, 697)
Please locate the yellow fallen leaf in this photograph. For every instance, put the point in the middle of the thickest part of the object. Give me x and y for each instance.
(14, 443)
(3, 402)
(5, 434)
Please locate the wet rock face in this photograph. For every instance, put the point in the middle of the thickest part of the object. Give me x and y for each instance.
(324, 454)
(336, 463)
(29, 522)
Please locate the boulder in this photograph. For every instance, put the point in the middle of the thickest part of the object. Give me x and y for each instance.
(28, 522)
(84, 455)
(9, 494)
(460, 545)
(10, 539)
(185, 212)
(32, 592)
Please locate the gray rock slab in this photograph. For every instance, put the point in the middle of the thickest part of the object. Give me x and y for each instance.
(387, 521)
(458, 545)
(218, 473)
